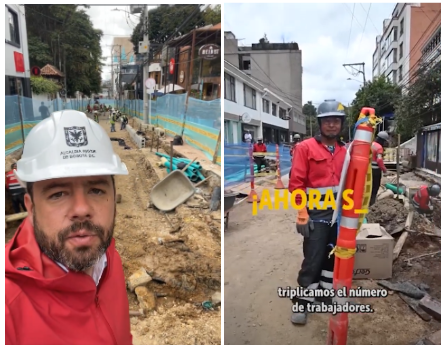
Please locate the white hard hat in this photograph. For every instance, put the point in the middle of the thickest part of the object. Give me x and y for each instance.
(67, 144)
(384, 135)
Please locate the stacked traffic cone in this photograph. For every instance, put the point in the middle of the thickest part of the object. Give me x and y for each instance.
(253, 196)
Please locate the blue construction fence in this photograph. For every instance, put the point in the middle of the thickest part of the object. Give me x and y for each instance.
(199, 121)
(237, 161)
(32, 113)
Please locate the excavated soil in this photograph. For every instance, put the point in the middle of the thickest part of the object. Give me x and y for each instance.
(185, 265)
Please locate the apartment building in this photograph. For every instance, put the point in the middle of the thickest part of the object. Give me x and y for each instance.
(399, 49)
(275, 66)
(251, 106)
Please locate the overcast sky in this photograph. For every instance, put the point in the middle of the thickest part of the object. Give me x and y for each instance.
(322, 32)
(112, 23)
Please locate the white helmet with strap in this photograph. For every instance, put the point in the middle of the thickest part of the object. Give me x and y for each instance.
(67, 144)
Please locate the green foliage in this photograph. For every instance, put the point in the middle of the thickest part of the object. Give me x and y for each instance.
(380, 94)
(165, 19)
(310, 111)
(420, 104)
(61, 34)
(212, 15)
(40, 85)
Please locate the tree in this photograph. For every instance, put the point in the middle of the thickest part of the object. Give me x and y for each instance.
(40, 85)
(165, 20)
(310, 112)
(212, 15)
(380, 94)
(420, 104)
(63, 35)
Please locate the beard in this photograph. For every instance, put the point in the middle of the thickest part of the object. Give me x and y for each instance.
(78, 258)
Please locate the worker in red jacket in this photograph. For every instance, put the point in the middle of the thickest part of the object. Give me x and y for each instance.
(296, 141)
(317, 165)
(16, 190)
(65, 282)
(421, 200)
(259, 160)
(377, 164)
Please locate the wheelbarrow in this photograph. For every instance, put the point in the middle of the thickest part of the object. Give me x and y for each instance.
(229, 204)
(172, 191)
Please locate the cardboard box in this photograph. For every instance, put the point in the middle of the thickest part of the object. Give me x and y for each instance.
(374, 257)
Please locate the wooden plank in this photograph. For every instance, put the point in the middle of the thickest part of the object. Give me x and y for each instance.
(432, 306)
(414, 304)
(16, 217)
(399, 245)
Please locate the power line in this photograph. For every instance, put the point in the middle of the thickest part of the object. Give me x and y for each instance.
(350, 31)
(367, 15)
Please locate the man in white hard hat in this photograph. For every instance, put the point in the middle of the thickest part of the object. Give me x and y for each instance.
(377, 164)
(64, 278)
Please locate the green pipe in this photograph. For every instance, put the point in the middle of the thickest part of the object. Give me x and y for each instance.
(394, 188)
(187, 161)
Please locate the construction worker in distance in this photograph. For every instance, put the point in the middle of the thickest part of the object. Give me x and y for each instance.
(16, 190)
(316, 168)
(95, 115)
(377, 164)
(421, 200)
(259, 160)
(296, 140)
(65, 281)
(124, 122)
(112, 122)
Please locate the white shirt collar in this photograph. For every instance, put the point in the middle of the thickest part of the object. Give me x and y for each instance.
(98, 268)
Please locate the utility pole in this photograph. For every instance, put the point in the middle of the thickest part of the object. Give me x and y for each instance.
(359, 70)
(146, 68)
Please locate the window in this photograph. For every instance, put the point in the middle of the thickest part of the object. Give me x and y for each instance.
(400, 73)
(394, 76)
(402, 26)
(401, 50)
(389, 59)
(282, 113)
(274, 109)
(230, 88)
(249, 97)
(266, 106)
(13, 34)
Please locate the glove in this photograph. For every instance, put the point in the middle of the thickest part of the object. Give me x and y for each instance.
(303, 224)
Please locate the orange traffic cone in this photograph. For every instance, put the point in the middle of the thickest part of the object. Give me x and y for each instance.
(253, 197)
(279, 183)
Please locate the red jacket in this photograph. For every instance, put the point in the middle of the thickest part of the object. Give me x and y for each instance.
(259, 148)
(314, 167)
(12, 184)
(47, 306)
(292, 149)
(377, 161)
(422, 198)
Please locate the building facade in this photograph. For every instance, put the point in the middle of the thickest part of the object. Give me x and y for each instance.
(278, 67)
(398, 50)
(17, 68)
(251, 106)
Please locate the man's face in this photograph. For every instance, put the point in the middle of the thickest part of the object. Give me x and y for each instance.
(330, 127)
(73, 219)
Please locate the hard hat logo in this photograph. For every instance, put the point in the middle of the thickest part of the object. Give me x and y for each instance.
(76, 136)
(340, 107)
